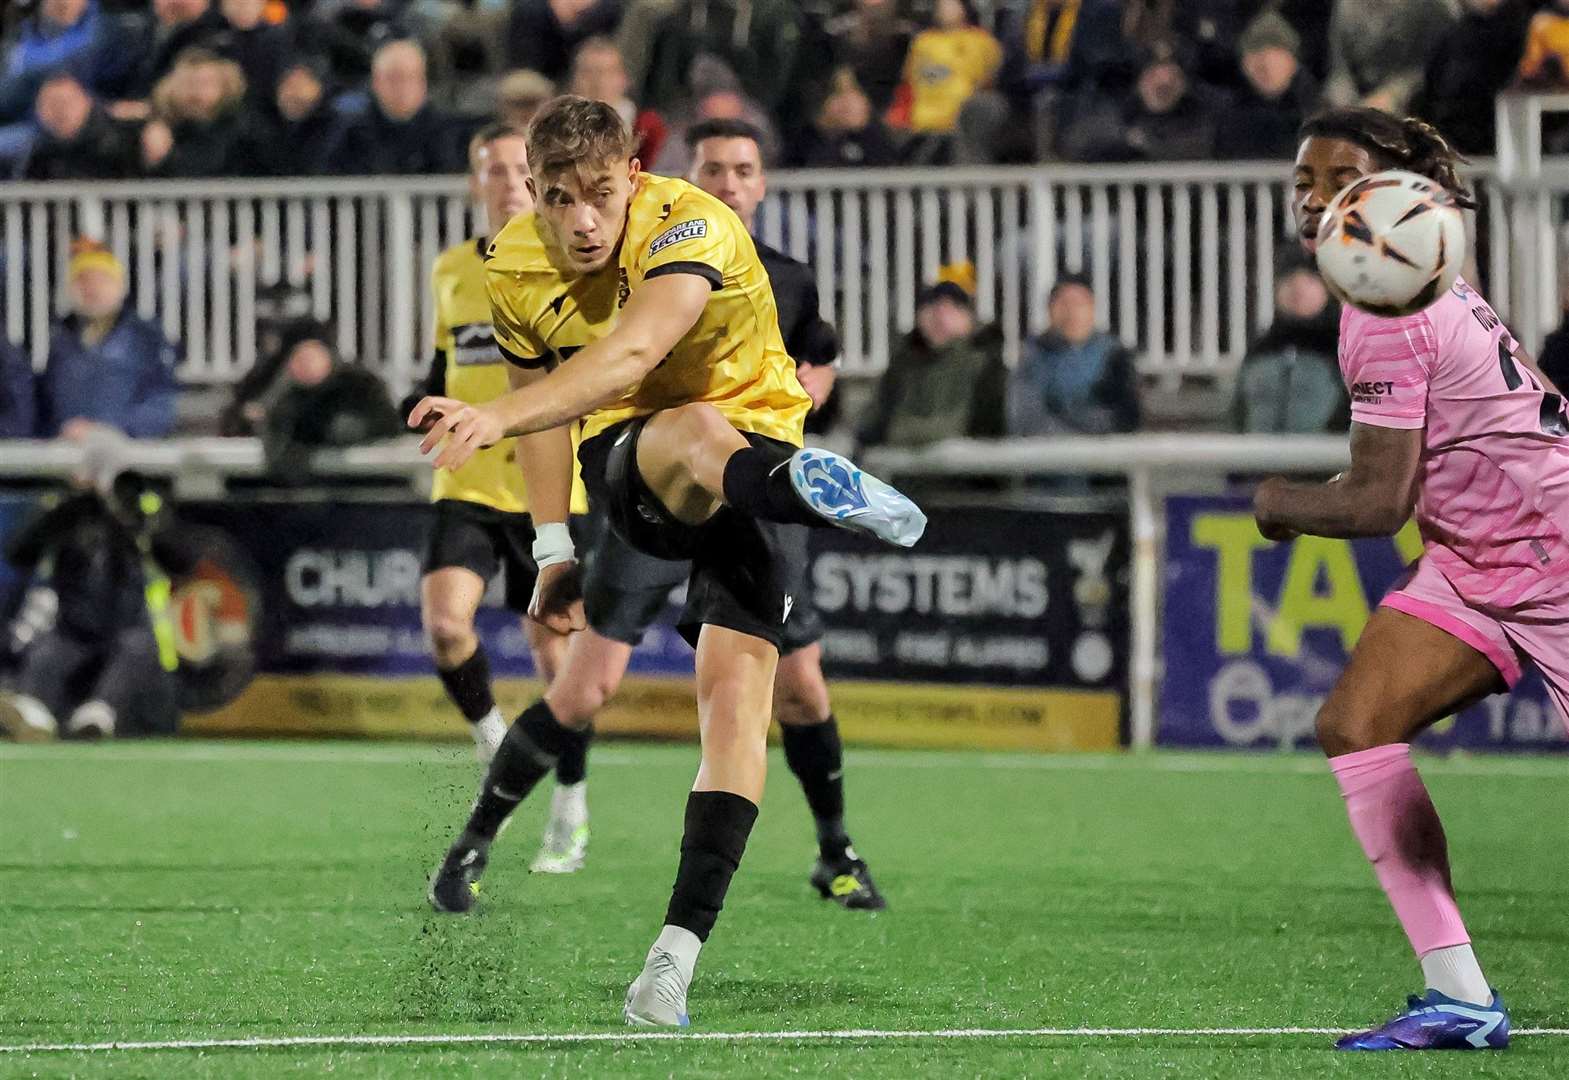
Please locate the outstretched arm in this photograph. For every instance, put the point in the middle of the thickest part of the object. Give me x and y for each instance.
(657, 316)
(1374, 497)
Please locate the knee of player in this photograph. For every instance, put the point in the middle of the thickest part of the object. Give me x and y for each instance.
(575, 704)
(696, 423)
(798, 706)
(448, 632)
(1341, 731)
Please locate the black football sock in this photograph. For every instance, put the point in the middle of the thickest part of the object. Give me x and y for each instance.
(468, 685)
(757, 482)
(572, 763)
(816, 757)
(533, 744)
(717, 825)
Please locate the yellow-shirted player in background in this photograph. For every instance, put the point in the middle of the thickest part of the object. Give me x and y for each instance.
(481, 521)
(639, 304)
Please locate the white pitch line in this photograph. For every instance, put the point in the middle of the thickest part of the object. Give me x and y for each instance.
(850, 1035)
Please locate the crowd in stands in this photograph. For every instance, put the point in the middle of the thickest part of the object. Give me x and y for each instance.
(202, 88)
(208, 88)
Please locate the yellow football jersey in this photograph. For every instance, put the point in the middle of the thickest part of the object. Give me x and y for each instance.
(474, 372)
(733, 358)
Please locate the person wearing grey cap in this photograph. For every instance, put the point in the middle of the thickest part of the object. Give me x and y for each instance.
(1276, 96)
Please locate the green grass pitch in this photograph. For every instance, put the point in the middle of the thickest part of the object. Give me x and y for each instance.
(198, 891)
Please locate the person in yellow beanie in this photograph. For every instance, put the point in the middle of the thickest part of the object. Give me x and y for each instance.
(107, 367)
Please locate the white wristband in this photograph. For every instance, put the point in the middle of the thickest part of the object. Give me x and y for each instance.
(552, 544)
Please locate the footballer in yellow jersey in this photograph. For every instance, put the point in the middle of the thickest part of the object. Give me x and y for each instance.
(733, 358)
(480, 522)
(639, 305)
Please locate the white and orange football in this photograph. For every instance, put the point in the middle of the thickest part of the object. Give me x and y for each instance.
(1391, 243)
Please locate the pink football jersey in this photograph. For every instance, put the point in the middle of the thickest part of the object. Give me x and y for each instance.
(1494, 500)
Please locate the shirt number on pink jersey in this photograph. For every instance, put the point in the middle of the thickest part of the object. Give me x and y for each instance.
(1553, 417)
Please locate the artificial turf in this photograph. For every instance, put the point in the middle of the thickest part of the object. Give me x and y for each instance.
(221, 890)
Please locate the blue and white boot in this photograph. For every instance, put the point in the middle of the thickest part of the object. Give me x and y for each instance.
(1437, 1022)
(836, 489)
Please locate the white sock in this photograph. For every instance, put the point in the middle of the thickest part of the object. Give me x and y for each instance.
(569, 802)
(682, 944)
(1455, 973)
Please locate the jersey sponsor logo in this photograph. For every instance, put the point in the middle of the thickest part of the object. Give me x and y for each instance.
(686, 230)
(474, 344)
(1371, 393)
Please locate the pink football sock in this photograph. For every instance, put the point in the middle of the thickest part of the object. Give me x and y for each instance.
(1399, 830)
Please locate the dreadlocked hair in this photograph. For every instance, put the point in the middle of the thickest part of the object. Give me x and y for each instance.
(1410, 144)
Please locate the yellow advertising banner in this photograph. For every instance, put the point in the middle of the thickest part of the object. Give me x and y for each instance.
(870, 713)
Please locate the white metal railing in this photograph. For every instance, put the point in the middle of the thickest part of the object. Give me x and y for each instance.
(1181, 256)
(201, 464)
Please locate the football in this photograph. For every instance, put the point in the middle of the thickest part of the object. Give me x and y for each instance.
(1391, 243)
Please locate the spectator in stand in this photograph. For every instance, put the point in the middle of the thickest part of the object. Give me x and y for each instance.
(1073, 379)
(1278, 94)
(177, 25)
(77, 139)
(198, 119)
(1290, 379)
(315, 402)
(543, 35)
(1213, 31)
(18, 400)
(1546, 60)
(846, 132)
(61, 36)
(948, 65)
(1379, 48)
(1472, 64)
(107, 368)
(723, 103)
(1165, 118)
(1064, 53)
(295, 134)
(872, 40)
(1310, 19)
(352, 35)
(520, 95)
(599, 74)
(758, 40)
(945, 379)
(262, 49)
(401, 133)
(642, 24)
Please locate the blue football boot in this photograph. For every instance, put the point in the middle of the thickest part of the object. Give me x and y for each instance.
(1436, 1022)
(836, 489)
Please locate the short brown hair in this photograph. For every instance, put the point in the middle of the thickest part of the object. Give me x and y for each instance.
(570, 131)
(496, 129)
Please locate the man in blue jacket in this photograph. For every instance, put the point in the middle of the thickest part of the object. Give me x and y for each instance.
(107, 367)
(1073, 379)
(18, 410)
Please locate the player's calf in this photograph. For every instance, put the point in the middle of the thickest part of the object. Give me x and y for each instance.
(527, 754)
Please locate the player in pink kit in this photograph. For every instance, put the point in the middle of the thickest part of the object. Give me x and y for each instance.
(1450, 418)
